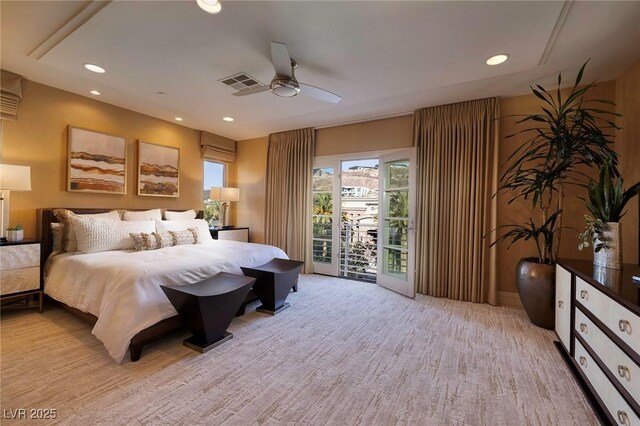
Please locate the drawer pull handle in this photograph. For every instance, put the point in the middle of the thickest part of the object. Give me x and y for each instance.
(583, 327)
(584, 295)
(623, 371)
(560, 304)
(583, 361)
(624, 326)
(623, 418)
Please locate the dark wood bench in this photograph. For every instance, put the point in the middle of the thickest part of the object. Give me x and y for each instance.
(274, 281)
(208, 307)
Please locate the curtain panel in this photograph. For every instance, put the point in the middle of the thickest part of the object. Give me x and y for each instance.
(288, 193)
(457, 147)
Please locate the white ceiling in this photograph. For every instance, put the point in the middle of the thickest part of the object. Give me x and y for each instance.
(383, 58)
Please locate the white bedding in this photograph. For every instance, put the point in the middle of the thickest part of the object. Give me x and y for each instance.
(121, 288)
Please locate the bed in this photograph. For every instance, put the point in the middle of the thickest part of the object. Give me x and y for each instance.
(118, 291)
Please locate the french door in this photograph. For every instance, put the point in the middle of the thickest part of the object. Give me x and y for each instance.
(396, 222)
(363, 218)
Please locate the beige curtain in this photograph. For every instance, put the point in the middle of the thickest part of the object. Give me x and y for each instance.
(288, 193)
(457, 176)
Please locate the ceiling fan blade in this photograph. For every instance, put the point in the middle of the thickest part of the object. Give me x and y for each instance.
(318, 93)
(253, 91)
(281, 59)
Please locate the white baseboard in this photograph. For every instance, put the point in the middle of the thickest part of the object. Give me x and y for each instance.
(509, 298)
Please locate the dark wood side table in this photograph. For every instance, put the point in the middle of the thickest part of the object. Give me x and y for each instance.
(274, 281)
(20, 274)
(230, 234)
(208, 307)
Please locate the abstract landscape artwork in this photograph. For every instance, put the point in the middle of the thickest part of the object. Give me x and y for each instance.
(158, 166)
(97, 162)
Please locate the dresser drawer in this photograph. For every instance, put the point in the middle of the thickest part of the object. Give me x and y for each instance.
(241, 235)
(17, 280)
(563, 306)
(19, 256)
(621, 366)
(613, 401)
(621, 321)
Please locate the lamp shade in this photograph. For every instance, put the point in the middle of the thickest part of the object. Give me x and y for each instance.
(15, 178)
(224, 194)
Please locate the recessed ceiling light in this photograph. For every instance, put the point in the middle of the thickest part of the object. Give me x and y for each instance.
(227, 118)
(497, 59)
(95, 92)
(210, 6)
(178, 118)
(95, 68)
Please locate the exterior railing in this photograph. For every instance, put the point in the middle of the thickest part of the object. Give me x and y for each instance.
(358, 251)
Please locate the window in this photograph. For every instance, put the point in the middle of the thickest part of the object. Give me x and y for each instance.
(214, 175)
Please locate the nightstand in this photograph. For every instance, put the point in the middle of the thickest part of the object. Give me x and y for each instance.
(230, 234)
(20, 274)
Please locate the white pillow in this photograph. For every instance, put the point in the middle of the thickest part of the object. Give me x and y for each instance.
(154, 214)
(186, 215)
(180, 225)
(69, 243)
(95, 234)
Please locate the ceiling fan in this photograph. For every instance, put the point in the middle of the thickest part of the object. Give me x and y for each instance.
(285, 83)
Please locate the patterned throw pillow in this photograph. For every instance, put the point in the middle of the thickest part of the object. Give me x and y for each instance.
(158, 240)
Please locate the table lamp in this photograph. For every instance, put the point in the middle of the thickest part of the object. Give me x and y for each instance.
(224, 195)
(12, 178)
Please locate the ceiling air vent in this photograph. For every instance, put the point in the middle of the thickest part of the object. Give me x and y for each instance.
(241, 81)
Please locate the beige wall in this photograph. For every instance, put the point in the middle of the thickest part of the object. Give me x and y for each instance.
(628, 146)
(39, 139)
(249, 174)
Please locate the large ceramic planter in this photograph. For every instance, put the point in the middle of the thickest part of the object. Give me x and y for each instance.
(536, 284)
(611, 257)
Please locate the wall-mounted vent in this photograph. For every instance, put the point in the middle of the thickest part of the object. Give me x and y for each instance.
(241, 81)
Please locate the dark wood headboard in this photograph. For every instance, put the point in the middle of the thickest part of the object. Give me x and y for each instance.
(46, 218)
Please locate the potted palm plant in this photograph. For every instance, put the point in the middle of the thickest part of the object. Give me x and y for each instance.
(569, 133)
(606, 203)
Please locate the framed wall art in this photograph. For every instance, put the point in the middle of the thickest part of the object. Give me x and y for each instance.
(97, 162)
(158, 170)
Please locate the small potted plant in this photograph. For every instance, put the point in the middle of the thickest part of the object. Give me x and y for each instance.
(606, 203)
(15, 233)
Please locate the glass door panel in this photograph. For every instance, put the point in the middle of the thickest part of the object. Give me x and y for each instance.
(323, 221)
(396, 248)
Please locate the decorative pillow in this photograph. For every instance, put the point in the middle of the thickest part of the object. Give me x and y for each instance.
(186, 215)
(56, 234)
(158, 240)
(181, 225)
(154, 214)
(97, 234)
(68, 232)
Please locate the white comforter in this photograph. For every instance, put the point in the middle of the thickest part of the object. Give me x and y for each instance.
(121, 288)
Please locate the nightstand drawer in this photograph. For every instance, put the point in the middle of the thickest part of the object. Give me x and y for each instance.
(622, 322)
(19, 256)
(625, 370)
(241, 235)
(613, 401)
(18, 280)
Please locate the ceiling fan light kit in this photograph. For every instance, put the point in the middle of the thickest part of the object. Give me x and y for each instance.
(285, 84)
(210, 6)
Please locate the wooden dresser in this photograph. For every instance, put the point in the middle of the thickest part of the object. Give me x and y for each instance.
(598, 326)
